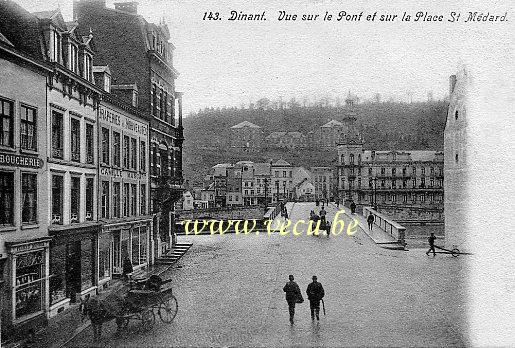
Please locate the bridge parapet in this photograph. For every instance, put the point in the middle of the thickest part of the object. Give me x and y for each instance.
(385, 223)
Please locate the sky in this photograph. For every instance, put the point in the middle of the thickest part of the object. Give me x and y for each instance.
(230, 63)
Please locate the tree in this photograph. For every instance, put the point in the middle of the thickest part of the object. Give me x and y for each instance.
(263, 103)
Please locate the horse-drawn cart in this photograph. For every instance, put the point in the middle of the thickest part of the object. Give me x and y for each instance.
(141, 302)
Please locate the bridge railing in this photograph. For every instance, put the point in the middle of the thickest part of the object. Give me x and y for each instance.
(385, 223)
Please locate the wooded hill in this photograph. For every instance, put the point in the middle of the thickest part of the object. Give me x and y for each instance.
(385, 126)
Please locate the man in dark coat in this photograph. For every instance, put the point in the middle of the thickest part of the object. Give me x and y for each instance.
(431, 241)
(370, 221)
(315, 293)
(292, 291)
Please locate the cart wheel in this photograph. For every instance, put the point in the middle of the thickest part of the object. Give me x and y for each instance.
(148, 319)
(168, 310)
(455, 252)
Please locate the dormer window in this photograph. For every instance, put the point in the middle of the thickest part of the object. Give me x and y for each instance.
(56, 47)
(134, 98)
(87, 67)
(107, 83)
(74, 59)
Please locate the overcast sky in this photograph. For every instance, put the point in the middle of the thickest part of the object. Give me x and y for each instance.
(227, 63)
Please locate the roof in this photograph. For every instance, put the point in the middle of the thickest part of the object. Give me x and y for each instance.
(261, 168)
(3, 39)
(21, 29)
(245, 124)
(332, 123)
(274, 135)
(101, 69)
(414, 155)
(281, 163)
(245, 162)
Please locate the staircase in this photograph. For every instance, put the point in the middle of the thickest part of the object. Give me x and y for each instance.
(175, 254)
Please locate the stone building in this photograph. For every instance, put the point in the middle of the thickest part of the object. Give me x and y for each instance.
(140, 57)
(246, 135)
(408, 177)
(281, 180)
(330, 134)
(456, 162)
(123, 187)
(322, 178)
(24, 241)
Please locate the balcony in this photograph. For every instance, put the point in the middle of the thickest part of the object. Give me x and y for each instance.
(74, 217)
(89, 215)
(57, 219)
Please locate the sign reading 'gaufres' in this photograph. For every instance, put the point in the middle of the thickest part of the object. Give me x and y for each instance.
(11, 160)
(123, 121)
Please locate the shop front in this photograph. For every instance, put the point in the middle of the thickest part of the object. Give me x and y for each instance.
(73, 265)
(128, 242)
(26, 285)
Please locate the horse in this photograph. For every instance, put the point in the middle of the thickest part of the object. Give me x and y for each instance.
(97, 311)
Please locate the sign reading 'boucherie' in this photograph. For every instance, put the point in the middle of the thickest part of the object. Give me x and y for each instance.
(7, 159)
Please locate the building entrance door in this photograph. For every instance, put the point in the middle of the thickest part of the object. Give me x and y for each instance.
(73, 271)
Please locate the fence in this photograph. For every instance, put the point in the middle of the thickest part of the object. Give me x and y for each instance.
(387, 224)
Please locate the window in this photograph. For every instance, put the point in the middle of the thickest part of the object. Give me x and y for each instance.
(432, 171)
(116, 149)
(125, 151)
(382, 183)
(73, 59)
(456, 114)
(456, 158)
(423, 182)
(142, 156)
(394, 171)
(284, 174)
(432, 182)
(29, 287)
(57, 199)
(116, 199)
(154, 100)
(168, 109)
(105, 199)
(105, 145)
(382, 171)
(56, 46)
(29, 198)
(6, 198)
(28, 138)
(134, 98)
(89, 198)
(405, 198)
(75, 139)
(158, 102)
(90, 156)
(163, 105)
(87, 67)
(351, 158)
(414, 183)
(423, 171)
(134, 153)
(134, 194)
(6, 123)
(126, 200)
(57, 135)
(414, 170)
(342, 159)
(359, 182)
(404, 171)
(370, 171)
(422, 198)
(143, 199)
(164, 162)
(75, 199)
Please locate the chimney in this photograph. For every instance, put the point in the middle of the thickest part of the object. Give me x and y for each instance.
(452, 83)
(129, 7)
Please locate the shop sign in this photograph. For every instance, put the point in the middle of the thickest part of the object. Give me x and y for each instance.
(123, 121)
(28, 246)
(11, 160)
(117, 173)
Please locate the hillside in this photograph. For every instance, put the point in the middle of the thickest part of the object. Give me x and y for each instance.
(415, 126)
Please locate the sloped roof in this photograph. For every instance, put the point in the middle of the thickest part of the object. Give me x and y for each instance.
(275, 135)
(245, 124)
(415, 155)
(261, 168)
(101, 69)
(281, 163)
(4, 39)
(332, 123)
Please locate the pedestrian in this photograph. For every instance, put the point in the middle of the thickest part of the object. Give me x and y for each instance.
(353, 207)
(127, 267)
(370, 220)
(431, 240)
(311, 215)
(322, 215)
(328, 228)
(293, 296)
(315, 293)
(317, 202)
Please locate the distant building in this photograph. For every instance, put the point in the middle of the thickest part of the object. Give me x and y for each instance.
(322, 178)
(262, 185)
(282, 180)
(187, 201)
(330, 134)
(208, 195)
(246, 135)
(456, 165)
(409, 178)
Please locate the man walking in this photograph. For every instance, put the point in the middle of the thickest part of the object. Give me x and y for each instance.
(431, 240)
(370, 220)
(322, 215)
(293, 293)
(315, 293)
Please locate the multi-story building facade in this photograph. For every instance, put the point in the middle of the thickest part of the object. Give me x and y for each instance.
(410, 178)
(123, 188)
(71, 128)
(456, 162)
(322, 178)
(233, 187)
(282, 180)
(262, 183)
(141, 58)
(24, 241)
(246, 135)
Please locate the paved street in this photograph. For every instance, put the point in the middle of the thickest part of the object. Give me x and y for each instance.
(229, 290)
